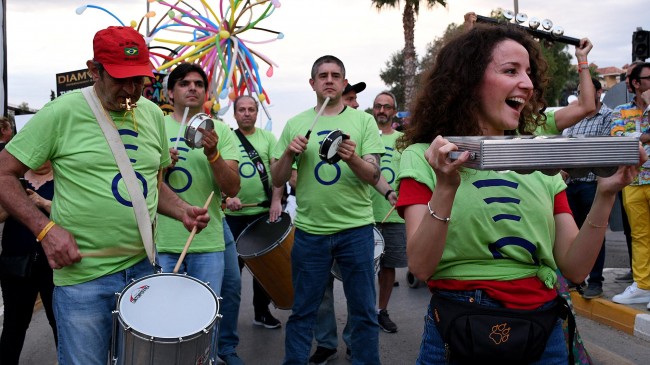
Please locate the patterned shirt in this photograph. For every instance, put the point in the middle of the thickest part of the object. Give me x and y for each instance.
(628, 119)
(597, 125)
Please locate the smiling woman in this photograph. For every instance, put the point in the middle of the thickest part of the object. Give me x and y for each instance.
(487, 242)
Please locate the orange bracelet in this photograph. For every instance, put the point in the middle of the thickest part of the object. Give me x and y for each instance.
(44, 231)
(583, 63)
(215, 158)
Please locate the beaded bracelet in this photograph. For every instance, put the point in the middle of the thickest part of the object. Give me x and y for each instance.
(594, 225)
(434, 215)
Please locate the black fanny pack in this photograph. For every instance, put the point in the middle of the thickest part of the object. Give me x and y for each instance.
(474, 333)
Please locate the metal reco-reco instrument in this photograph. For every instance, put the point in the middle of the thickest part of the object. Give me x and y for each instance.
(524, 154)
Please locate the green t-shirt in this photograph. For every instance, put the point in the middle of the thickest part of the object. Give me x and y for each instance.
(90, 198)
(331, 198)
(192, 179)
(252, 190)
(550, 128)
(389, 169)
(502, 224)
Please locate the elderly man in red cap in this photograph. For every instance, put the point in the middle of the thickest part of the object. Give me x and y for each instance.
(92, 213)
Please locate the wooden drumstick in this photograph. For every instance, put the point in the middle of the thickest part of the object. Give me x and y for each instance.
(320, 112)
(189, 239)
(388, 214)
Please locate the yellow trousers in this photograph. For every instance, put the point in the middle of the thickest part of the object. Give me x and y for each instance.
(636, 199)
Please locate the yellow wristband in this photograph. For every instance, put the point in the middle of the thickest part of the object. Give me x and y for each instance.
(44, 231)
(215, 158)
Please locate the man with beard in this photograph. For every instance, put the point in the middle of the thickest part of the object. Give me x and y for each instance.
(392, 228)
(92, 212)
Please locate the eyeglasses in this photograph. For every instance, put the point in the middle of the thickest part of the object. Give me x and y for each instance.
(385, 106)
(644, 77)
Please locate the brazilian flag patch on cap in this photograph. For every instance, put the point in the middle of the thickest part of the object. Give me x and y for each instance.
(131, 51)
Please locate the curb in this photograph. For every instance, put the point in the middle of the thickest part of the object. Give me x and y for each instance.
(621, 317)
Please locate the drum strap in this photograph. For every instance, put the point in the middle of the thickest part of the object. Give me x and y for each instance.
(257, 161)
(123, 163)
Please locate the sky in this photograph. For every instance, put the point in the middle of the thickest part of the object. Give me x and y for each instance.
(46, 37)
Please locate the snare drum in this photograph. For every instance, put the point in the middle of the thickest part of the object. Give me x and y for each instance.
(329, 148)
(379, 250)
(265, 248)
(164, 319)
(194, 138)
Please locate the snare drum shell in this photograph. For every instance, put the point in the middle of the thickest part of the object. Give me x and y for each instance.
(265, 248)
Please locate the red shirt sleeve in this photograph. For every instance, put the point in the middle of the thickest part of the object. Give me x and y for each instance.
(411, 192)
(561, 203)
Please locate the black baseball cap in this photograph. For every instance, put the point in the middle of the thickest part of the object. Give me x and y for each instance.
(359, 87)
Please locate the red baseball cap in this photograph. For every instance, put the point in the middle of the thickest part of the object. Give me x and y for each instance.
(123, 52)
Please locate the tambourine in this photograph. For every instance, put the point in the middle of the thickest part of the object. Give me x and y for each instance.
(330, 146)
(194, 138)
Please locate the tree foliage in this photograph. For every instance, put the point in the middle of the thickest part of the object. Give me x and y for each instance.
(562, 75)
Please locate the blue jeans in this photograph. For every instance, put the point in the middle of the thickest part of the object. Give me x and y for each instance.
(325, 328)
(432, 348)
(231, 294)
(581, 195)
(311, 261)
(207, 267)
(84, 318)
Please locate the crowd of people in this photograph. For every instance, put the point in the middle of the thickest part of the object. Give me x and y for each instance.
(487, 242)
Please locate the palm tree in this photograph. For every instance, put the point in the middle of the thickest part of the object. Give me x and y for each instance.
(411, 8)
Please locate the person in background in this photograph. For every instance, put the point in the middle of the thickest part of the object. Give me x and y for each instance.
(633, 119)
(391, 227)
(254, 191)
(471, 252)
(89, 183)
(582, 190)
(6, 132)
(24, 271)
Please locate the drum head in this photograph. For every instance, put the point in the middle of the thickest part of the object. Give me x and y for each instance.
(329, 148)
(194, 138)
(262, 236)
(168, 306)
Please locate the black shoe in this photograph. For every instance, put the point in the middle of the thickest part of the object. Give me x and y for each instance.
(577, 287)
(593, 291)
(624, 278)
(385, 323)
(322, 355)
(267, 320)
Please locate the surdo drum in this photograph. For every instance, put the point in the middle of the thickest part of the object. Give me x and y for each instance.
(330, 146)
(194, 138)
(265, 248)
(164, 319)
(379, 250)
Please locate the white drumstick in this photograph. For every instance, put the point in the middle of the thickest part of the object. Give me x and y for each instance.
(180, 130)
(320, 112)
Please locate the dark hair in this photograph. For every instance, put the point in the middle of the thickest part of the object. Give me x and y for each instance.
(597, 84)
(636, 73)
(242, 97)
(388, 93)
(326, 59)
(182, 70)
(448, 100)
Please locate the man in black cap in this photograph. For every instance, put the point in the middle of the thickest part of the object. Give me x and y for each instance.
(350, 94)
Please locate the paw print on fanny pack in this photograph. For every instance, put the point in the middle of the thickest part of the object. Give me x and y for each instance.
(500, 333)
